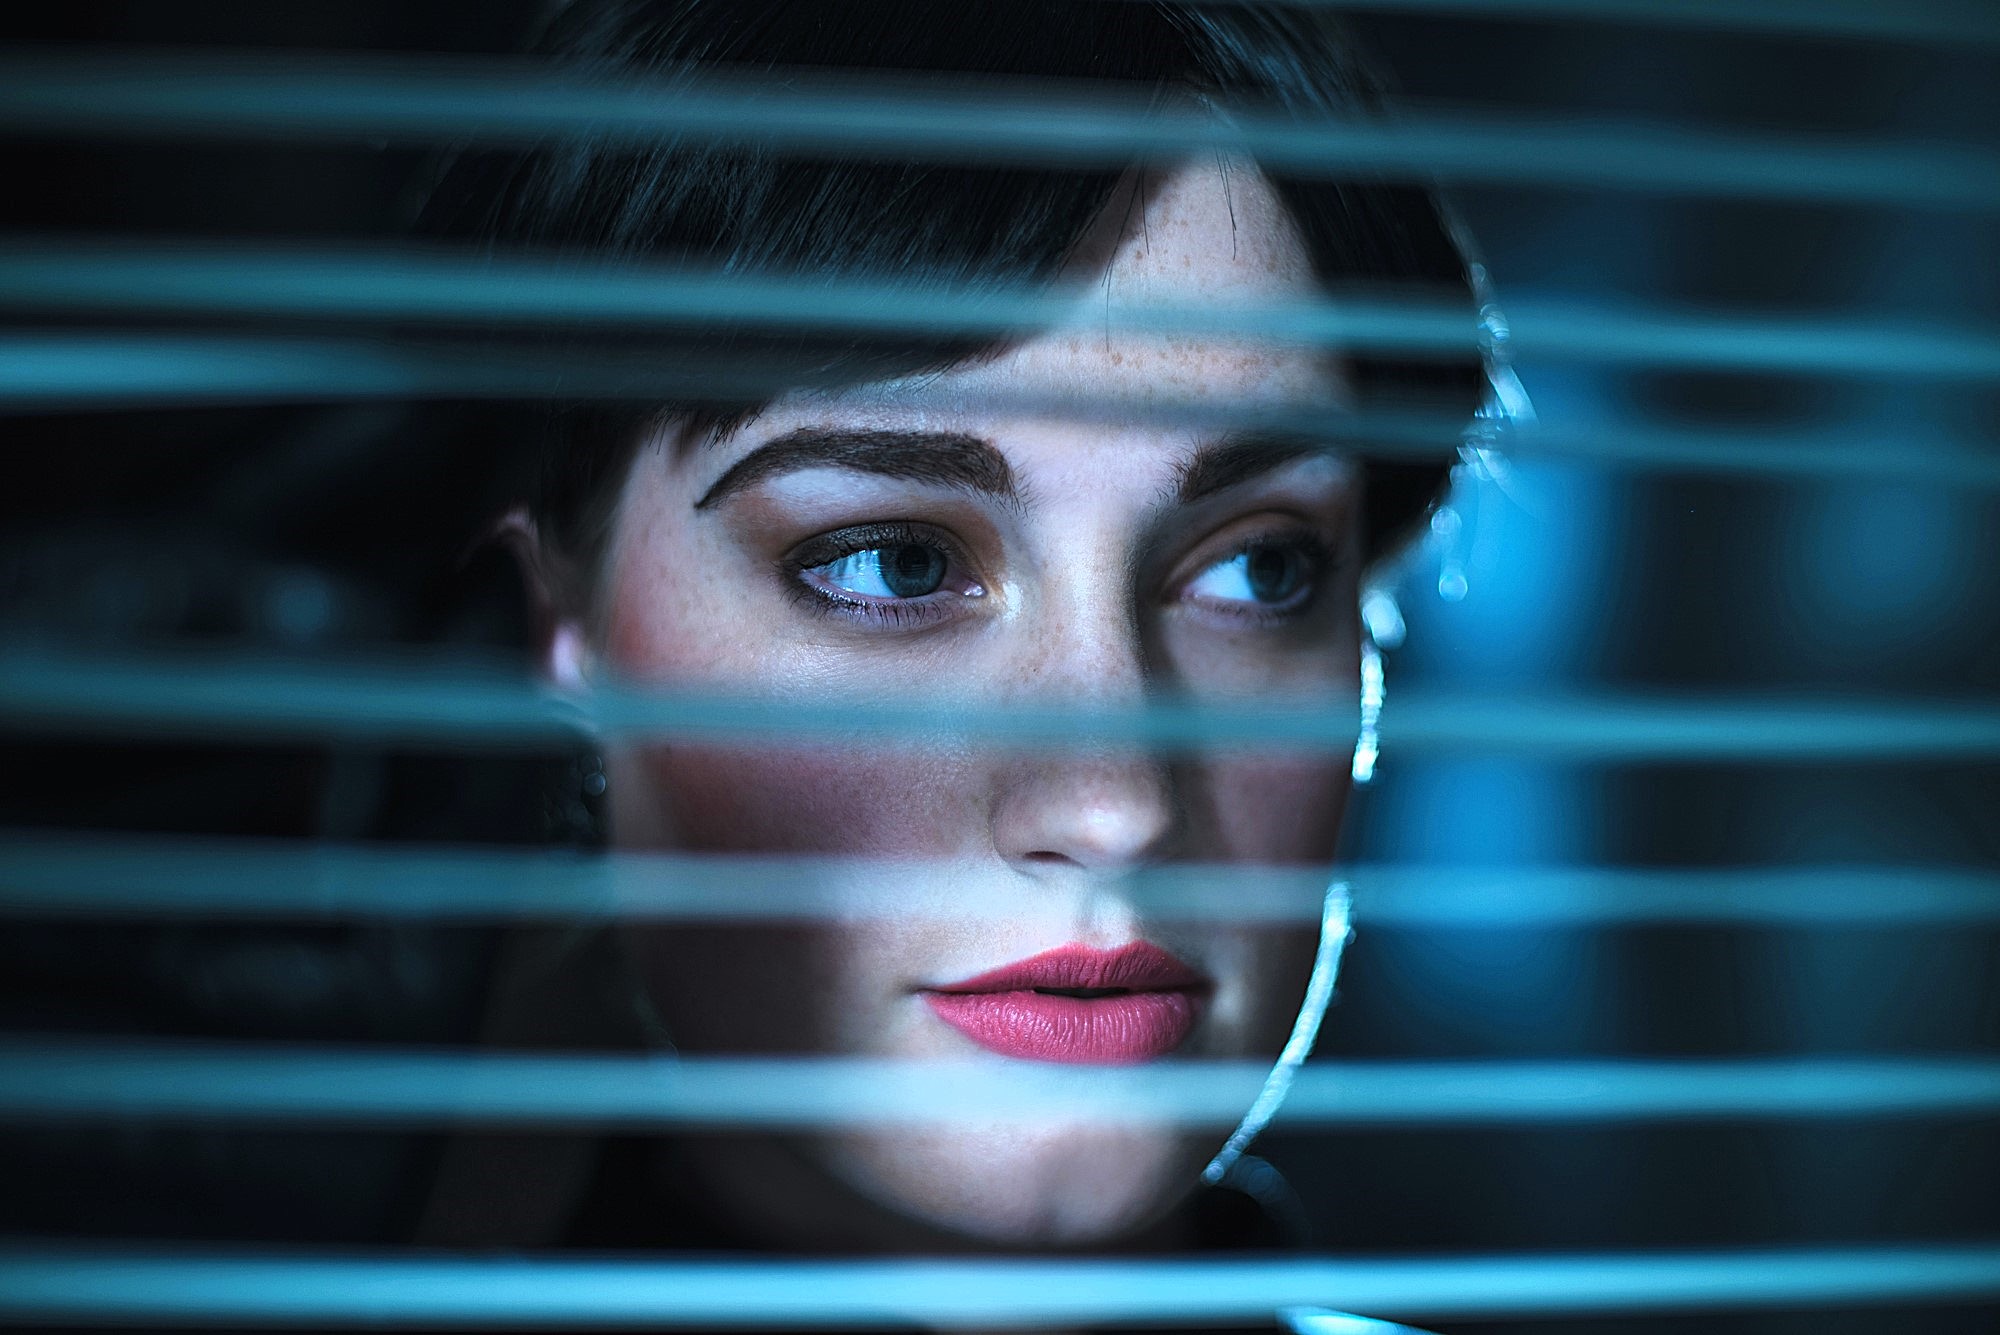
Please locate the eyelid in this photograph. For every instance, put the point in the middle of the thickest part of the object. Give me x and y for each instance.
(1324, 556)
(1266, 529)
(830, 546)
(1311, 545)
(837, 544)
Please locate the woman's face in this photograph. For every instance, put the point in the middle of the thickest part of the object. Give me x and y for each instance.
(908, 542)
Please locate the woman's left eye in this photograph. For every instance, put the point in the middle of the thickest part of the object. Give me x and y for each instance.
(1266, 577)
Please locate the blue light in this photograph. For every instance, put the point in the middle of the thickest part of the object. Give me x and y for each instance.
(107, 1285)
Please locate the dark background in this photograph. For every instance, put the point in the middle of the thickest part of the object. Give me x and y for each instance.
(310, 530)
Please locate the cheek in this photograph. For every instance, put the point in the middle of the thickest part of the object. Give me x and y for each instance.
(787, 988)
(904, 802)
(1272, 809)
(1038, 1186)
(755, 989)
(1258, 997)
(831, 985)
(1264, 810)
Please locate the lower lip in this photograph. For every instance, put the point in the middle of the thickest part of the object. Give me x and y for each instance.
(1116, 1031)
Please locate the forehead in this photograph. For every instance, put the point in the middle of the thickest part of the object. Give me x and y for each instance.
(1206, 231)
(1212, 236)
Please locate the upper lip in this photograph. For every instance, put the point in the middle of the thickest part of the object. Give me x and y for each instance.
(1137, 966)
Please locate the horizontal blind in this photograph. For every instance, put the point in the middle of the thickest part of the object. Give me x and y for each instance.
(333, 324)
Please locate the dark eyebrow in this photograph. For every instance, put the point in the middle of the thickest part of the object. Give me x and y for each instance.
(939, 458)
(1235, 459)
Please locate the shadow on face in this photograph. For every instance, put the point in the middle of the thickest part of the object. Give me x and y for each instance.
(903, 543)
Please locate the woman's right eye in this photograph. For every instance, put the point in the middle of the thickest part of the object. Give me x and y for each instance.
(902, 570)
(890, 572)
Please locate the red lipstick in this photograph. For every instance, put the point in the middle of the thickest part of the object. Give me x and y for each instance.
(1076, 1004)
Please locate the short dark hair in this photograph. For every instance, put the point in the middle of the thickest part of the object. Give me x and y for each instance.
(976, 227)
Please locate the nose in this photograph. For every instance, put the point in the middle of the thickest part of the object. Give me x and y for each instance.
(1099, 813)
(1099, 809)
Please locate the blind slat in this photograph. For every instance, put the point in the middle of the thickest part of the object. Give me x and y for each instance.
(63, 371)
(1957, 22)
(120, 1286)
(220, 695)
(433, 100)
(432, 288)
(55, 1079)
(110, 874)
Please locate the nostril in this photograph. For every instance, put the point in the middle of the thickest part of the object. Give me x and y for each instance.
(1055, 818)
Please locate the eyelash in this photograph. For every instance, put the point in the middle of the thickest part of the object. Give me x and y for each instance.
(1321, 559)
(827, 548)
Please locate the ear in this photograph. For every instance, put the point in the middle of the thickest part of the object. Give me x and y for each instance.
(559, 645)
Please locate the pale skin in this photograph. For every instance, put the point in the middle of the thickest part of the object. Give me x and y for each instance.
(905, 542)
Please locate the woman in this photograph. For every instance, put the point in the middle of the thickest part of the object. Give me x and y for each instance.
(1019, 520)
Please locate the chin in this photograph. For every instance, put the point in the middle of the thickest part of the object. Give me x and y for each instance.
(1070, 1186)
